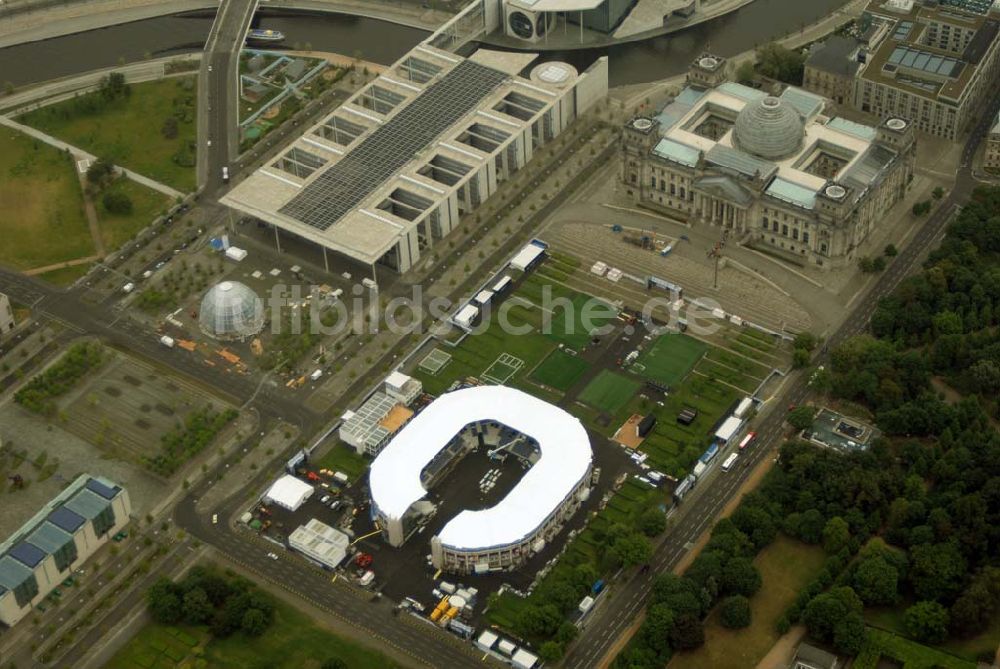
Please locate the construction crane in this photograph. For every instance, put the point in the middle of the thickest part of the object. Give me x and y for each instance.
(505, 447)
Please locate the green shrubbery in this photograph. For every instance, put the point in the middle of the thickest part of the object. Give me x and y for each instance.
(38, 394)
(199, 430)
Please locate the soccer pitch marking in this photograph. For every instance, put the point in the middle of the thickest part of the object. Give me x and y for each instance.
(505, 364)
(435, 361)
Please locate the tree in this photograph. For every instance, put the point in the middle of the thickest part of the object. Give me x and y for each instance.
(197, 608)
(937, 193)
(550, 651)
(745, 73)
(801, 418)
(937, 571)
(926, 622)
(825, 611)
(632, 549)
(800, 358)
(850, 633)
(876, 581)
(170, 128)
(100, 171)
(164, 602)
(777, 62)
(254, 622)
(735, 613)
(117, 203)
(805, 340)
(836, 535)
(333, 663)
(740, 577)
(652, 523)
(890, 251)
(538, 621)
(687, 633)
(657, 627)
(756, 523)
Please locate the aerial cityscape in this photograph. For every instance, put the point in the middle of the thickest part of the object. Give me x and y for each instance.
(594, 334)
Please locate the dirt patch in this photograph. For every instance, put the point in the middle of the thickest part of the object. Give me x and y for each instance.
(113, 391)
(131, 380)
(164, 409)
(143, 424)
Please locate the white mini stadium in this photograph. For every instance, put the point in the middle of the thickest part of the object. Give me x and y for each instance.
(518, 526)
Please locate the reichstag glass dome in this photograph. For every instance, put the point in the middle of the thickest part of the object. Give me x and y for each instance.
(769, 128)
(231, 310)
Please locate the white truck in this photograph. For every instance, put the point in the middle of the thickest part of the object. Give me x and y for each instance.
(167, 341)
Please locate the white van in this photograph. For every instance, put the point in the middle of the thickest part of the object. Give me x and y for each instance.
(225, 175)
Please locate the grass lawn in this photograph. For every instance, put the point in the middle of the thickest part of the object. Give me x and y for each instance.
(786, 566)
(910, 654)
(127, 131)
(560, 370)
(43, 221)
(294, 641)
(671, 357)
(478, 352)
(891, 620)
(65, 276)
(609, 391)
(343, 458)
(147, 204)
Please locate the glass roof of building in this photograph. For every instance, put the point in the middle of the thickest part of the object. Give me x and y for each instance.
(793, 193)
(49, 538)
(865, 132)
(932, 63)
(12, 572)
(740, 161)
(805, 103)
(341, 187)
(87, 504)
(677, 152)
(863, 172)
(675, 110)
(745, 93)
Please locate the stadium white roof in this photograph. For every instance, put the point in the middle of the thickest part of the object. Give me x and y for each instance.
(289, 492)
(564, 461)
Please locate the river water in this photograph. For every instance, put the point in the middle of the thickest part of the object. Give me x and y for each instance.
(382, 42)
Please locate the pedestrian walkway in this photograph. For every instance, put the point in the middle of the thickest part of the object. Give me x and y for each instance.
(80, 154)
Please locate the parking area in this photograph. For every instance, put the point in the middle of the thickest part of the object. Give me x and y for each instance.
(835, 430)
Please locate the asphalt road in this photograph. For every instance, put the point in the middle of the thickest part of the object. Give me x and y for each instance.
(627, 598)
(218, 116)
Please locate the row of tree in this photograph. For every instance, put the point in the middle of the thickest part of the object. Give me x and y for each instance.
(39, 393)
(199, 430)
(226, 603)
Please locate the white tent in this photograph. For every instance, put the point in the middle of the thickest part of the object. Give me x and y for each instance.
(526, 256)
(729, 427)
(288, 492)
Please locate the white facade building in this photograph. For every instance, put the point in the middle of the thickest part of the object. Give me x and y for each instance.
(320, 542)
(58, 539)
(394, 169)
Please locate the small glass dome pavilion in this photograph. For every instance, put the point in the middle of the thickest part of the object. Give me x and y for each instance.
(231, 310)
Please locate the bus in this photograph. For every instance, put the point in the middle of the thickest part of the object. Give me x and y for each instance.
(747, 440)
(730, 461)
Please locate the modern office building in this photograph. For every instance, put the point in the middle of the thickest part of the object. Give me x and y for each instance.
(531, 20)
(388, 174)
(991, 155)
(831, 68)
(61, 537)
(6, 315)
(503, 420)
(936, 66)
(775, 171)
(369, 428)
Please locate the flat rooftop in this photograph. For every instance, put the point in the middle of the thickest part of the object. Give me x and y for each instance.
(905, 61)
(565, 460)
